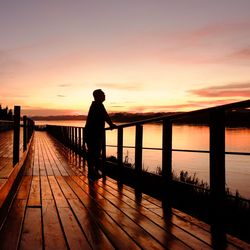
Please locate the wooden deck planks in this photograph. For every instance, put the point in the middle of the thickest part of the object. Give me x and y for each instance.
(6, 154)
(148, 219)
(116, 235)
(53, 233)
(11, 230)
(154, 207)
(146, 233)
(31, 237)
(34, 196)
(93, 231)
(57, 207)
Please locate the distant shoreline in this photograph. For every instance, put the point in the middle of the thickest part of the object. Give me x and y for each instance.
(233, 119)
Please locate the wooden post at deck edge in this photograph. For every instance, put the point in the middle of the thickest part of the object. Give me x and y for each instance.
(16, 137)
(217, 161)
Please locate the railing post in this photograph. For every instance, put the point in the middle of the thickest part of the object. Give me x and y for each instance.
(24, 133)
(167, 156)
(84, 151)
(16, 137)
(69, 134)
(71, 138)
(28, 130)
(60, 134)
(79, 142)
(217, 160)
(64, 136)
(75, 140)
(120, 151)
(68, 137)
(138, 151)
(104, 154)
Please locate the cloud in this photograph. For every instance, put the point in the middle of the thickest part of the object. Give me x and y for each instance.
(46, 112)
(118, 106)
(9, 95)
(9, 66)
(61, 96)
(228, 90)
(121, 86)
(241, 54)
(209, 44)
(188, 106)
(215, 31)
(64, 85)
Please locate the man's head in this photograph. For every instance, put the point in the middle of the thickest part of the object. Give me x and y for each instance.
(99, 95)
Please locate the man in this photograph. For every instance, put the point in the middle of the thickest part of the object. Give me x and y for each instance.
(94, 132)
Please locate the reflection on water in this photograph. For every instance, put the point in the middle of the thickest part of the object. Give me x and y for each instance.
(186, 137)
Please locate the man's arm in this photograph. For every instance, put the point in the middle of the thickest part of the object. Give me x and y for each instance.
(108, 119)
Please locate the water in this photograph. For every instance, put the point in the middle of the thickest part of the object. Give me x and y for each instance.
(190, 138)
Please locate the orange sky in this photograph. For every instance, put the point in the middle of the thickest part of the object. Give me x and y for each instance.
(146, 55)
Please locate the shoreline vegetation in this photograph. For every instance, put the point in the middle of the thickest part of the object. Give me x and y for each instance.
(6, 114)
(239, 118)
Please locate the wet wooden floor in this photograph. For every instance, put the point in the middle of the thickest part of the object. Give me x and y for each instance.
(6, 154)
(57, 207)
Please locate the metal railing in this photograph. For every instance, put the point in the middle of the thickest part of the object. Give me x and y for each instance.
(74, 138)
(216, 116)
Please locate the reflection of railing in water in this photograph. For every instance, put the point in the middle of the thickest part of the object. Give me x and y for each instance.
(70, 135)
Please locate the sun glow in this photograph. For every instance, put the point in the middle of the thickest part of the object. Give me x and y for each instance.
(143, 63)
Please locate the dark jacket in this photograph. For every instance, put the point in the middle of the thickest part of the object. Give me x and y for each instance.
(97, 116)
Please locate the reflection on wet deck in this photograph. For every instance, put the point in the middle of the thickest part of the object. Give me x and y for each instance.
(57, 207)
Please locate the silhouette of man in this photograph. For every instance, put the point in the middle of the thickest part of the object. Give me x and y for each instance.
(94, 132)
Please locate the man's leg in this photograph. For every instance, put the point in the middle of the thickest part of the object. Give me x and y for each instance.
(90, 160)
(97, 158)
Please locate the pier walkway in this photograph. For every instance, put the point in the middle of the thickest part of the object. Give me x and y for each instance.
(57, 207)
(6, 154)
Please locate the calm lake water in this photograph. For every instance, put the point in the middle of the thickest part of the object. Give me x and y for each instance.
(189, 138)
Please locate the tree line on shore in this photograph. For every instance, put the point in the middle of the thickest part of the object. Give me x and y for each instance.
(6, 113)
(239, 118)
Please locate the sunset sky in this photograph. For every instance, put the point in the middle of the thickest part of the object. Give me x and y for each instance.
(147, 55)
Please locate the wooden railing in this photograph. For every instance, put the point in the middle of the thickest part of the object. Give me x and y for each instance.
(28, 129)
(73, 137)
(13, 178)
(216, 116)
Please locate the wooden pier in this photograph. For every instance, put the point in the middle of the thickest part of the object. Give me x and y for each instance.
(57, 207)
(47, 201)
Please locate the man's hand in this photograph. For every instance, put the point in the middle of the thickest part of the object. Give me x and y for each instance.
(112, 126)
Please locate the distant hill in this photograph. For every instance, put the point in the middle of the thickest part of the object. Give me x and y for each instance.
(59, 117)
(133, 117)
(239, 118)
